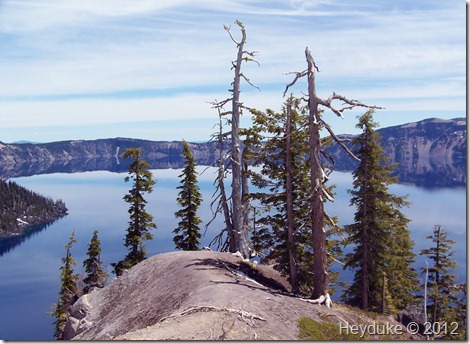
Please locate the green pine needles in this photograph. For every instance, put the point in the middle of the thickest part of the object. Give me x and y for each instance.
(96, 275)
(279, 146)
(140, 221)
(68, 293)
(69, 288)
(189, 199)
(282, 229)
(384, 280)
(442, 283)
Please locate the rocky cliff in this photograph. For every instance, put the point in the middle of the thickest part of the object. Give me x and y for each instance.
(431, 152)
(104, 154)
(204, 296)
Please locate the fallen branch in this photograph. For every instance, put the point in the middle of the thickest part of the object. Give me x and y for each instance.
(195, 309)
(244, 314)
(323, 299)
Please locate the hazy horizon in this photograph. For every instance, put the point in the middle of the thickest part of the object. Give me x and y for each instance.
(192, 141)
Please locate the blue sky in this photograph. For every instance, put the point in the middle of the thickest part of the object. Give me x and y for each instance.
(148, 69)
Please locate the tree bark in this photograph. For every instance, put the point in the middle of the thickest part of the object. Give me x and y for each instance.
(239, 225)
(223, 195)
(317, 175)
(320, 268)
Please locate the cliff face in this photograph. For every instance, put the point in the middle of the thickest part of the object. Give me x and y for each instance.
(430, 149)
(430, 152)
(104, 154)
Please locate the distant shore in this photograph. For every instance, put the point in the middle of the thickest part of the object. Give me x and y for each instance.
(27, 222)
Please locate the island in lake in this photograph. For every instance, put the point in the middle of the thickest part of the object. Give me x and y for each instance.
(22, 209)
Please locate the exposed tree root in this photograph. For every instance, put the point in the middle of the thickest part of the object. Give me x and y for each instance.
(324, 299)
(243, 315)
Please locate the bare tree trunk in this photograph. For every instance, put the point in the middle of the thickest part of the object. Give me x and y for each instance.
(245, 200)
(239, 226)
(220, 201)
(294, 280)
(236, 215)
(317, 175)
(320, 268)
(223, 200)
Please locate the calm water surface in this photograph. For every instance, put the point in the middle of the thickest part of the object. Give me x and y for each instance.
(29, 270)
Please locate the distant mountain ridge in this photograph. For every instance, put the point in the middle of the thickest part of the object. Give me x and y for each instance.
(431, 152)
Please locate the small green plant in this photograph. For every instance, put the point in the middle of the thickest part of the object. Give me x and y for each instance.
(315, 330)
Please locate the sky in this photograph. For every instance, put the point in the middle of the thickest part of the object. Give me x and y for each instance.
(150, 69)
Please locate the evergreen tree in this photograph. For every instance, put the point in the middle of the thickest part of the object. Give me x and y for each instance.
(189, 198)
(140, 221)
(280, 147)
(68, 293)
(96, 275)
(17, 202)
(318, 177)
(442, 286)
(382, 257)
(461, 311)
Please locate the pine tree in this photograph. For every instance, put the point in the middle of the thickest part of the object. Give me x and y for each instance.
(279, 144)
(189, 198)
(461, 311)
(318, 177)
(17, 202)
(442, 286)
(68, 293)
(382, 257)
(96, 275)
(140, 221)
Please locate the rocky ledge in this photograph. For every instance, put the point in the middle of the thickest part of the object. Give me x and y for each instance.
(202, 296)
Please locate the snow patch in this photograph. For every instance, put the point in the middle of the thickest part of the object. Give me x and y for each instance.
(23, 222)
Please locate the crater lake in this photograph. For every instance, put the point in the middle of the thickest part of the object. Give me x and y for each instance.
(30, 264)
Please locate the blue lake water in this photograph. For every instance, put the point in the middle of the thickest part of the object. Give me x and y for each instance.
(29, 271)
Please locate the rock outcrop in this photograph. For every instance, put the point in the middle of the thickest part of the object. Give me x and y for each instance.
(201, 296)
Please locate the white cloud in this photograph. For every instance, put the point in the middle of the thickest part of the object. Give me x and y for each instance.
(100, 111)
(65, 62)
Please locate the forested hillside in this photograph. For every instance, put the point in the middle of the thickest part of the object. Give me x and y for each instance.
(21, 209)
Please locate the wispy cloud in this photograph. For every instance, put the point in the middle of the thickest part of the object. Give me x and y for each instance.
(67, 62)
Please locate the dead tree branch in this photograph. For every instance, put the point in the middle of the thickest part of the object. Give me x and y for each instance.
(298, 75)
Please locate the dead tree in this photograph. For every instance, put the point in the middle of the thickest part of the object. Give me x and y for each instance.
(318, 177)
(238, 224)
(220, 200)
